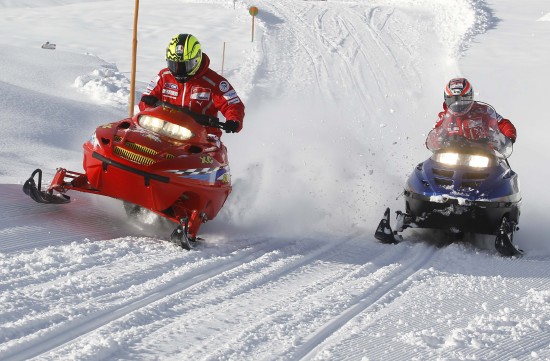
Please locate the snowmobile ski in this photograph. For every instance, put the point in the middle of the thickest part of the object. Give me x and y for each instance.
(180, 235)
(384, 232)
(504, 238)
(34, 190)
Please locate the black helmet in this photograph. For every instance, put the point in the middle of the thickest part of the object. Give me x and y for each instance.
(183, 56)
(459, 96)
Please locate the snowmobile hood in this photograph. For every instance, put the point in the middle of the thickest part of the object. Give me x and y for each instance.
(143, 140)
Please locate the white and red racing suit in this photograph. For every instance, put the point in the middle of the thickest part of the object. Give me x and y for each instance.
(474, 123)
(206, 92)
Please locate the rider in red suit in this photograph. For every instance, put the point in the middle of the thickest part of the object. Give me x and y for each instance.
(468, 115)
(189, 82)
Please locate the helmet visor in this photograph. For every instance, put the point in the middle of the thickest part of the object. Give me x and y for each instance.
(183, 68)
(458, 104)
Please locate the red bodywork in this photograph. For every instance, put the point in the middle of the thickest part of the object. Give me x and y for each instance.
(178, 179)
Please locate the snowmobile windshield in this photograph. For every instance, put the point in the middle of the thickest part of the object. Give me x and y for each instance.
(469, 136)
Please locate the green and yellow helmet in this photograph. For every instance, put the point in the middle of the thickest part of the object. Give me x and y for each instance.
(183, 56)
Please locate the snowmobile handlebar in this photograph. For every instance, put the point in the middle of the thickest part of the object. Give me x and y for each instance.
(202, 119)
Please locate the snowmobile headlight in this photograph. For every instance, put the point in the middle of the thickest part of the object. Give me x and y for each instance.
(151, 123)
(176, 131)
(470, 160)
(165, 128)
(478, 161)
(447, 158)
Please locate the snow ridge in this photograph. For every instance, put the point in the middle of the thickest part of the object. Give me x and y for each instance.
(106, 86)
(484, 20)
(458, 22)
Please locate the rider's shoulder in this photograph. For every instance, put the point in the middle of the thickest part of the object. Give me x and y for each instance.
(480, 107)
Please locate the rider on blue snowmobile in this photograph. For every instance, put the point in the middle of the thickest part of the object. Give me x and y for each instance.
(467, 115)
(467, 185)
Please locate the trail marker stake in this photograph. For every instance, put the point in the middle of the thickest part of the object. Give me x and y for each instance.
(134, 51)
(253, 11)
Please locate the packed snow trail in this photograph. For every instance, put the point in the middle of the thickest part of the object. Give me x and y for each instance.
(136, 296)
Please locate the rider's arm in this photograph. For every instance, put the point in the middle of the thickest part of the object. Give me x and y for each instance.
(440, 116)
(228, 102)
(507, 128)
(154, 89)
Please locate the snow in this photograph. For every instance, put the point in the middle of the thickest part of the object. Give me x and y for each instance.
(340, 95)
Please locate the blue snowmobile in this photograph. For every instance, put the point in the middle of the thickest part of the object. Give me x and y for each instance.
(467, 185)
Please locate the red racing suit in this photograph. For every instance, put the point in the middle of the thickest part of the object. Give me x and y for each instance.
(205, 93)
(470, 124)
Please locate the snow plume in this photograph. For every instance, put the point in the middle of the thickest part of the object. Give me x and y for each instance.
(483, 20)
(458, 22)
(106, 85)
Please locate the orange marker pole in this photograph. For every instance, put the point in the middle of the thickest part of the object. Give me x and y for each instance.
(134, 51)
(253, 11)
(223, 56)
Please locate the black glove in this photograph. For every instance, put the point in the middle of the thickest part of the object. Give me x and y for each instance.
(231, 126)
(150, 100)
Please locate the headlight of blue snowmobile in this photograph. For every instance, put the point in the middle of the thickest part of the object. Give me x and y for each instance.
(470, 160)
(447, 158)
(165, 128)
(478, 161)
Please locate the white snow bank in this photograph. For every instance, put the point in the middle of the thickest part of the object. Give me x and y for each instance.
(37, 3)
(106, 85)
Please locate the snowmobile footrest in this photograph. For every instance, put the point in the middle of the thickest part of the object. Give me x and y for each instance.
(38, 195)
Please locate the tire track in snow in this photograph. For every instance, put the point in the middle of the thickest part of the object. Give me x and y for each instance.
(69, 332)
(454, 311)
(361, 46)
(332, 39)
(319, 47)
(318, 62)
(72, 330)
(217, 297)
(399, 279)
(325, 288)
(33, 225)
(375, 23)
(252, 287)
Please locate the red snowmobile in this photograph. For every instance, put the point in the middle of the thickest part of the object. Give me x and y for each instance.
(161, 159)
